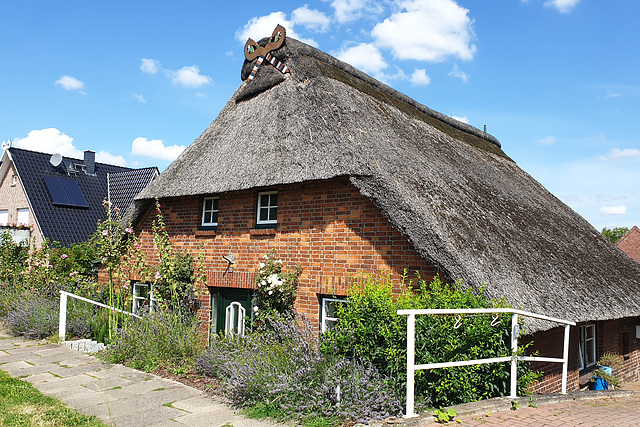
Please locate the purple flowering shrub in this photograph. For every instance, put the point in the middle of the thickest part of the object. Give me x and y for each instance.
(161, 339)
(34, 316)
(279, 367)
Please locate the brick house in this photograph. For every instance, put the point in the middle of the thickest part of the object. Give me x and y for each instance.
(630, 243)
(344, 175)
(60, 198)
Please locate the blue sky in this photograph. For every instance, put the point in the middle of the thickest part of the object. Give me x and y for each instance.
(556, 81)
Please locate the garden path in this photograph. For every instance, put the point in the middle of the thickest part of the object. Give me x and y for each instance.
(118, 395)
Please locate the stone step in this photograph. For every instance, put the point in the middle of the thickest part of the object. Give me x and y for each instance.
(85, 345)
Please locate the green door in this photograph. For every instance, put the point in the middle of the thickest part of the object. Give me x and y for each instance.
(230, 309)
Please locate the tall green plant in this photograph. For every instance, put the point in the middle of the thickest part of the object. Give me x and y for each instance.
(369, 328)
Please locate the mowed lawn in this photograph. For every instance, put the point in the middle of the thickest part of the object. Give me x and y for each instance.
(22, 405)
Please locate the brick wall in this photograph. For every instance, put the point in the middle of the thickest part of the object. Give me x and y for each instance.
(12, 198)
(327, 226)
(614, 336)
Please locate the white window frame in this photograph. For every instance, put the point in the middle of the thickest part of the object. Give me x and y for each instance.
(4, 217)
(138, 301)
(22, 213)
(325, 319)
(268, 207)
(587, 345)
(205, 211)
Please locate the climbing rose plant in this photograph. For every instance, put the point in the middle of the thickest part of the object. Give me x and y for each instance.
(276, 288)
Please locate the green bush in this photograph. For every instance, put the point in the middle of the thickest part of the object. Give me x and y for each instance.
(369, 328)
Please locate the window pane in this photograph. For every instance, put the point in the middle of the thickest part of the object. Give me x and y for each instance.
(4, 217)
(23, 216)
(207, 218)
(207, 204)
(264, 200)
(214, 204)
(273, 214)
(274, 199)
(214, 217)
(264, 214)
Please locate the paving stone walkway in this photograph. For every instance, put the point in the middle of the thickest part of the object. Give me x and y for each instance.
(118, 395)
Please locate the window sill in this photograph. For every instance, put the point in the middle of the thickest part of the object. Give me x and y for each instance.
(262, 231)
(206, 232)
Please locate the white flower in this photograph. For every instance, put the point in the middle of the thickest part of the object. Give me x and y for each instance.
(270, 292)
(266, 257)
(279, 261)
(273, 278)
(255, 308)
(263, 283)
(261, 265)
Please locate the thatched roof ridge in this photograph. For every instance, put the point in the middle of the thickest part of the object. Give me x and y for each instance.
(461, 201)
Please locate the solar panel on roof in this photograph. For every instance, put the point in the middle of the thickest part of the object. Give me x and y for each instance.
(65, 192)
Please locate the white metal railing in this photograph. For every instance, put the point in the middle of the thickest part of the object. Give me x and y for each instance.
(514, 358)
(62, 325)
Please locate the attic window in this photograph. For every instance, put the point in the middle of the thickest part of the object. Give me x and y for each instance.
(14, 180)
(65, 192)
(267, 208)
(210, 212)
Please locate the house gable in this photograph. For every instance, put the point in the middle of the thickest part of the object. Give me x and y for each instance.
(630, 243)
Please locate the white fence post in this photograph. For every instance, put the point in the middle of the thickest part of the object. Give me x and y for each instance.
(411, 351)
(565, 358)
(62, 325)
(515, 331)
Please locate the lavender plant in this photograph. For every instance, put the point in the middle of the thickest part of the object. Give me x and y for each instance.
(33, 316)
(279, 368)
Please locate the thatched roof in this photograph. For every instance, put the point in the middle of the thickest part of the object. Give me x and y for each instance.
(448, 187)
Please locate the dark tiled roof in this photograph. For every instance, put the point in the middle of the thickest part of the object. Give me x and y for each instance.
(64, 224)
(124, 186)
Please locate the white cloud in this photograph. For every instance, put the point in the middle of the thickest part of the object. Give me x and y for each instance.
(562, 6)
(139, 97)
(547, 140)
(311, 19)
(458, 73)
(150, 66)
(613, 210)
(71, 83)
(51, 140)
(464, 119)
(189, 77)
(155, 148)
(259, 27)
(350, 10)
(611, 94)
(419, 77)
(617, 153)
(427, 30)
(364, 56)
(111, 159)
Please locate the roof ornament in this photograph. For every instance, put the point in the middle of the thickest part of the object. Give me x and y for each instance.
(6, 145)
(253, 50)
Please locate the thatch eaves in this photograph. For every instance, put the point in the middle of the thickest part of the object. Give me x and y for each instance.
(449, 187)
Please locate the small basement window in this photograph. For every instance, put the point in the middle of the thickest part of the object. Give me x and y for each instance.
(210, 212)
(143, 300)
(329, 313)
(268, 207)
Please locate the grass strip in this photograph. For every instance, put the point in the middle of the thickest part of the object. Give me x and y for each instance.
(22, 405)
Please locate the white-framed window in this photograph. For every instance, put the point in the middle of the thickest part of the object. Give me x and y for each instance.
(142, 297)
(210, 212)
(587, 347)
(23, 216)
(4, 217)
(268, 207)
(329, 312)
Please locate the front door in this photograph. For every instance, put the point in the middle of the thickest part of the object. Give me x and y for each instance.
(230, 309)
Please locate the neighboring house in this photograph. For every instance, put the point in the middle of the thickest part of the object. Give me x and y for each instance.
(630, 243)
(343, 174)
(60, 198)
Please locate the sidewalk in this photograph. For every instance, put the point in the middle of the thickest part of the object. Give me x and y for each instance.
(116, 394)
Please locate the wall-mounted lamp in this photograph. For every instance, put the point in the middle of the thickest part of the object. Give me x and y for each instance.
(231, 258)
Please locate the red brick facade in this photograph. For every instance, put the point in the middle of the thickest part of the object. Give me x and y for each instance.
(328, 227)
(612, 336)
